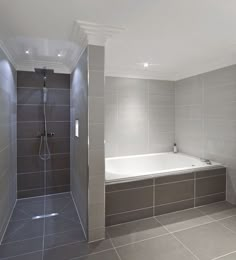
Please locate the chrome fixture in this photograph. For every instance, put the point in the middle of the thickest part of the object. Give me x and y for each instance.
(206, 161)
(44, 151)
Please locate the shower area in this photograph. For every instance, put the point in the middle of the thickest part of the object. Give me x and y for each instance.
(43, 133)
(44, 216)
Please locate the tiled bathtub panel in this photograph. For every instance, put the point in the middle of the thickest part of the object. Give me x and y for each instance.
(170, 193)
(210, 199)
(210, 185)
(129, 216)
(174, 178)
(172, 207)
(173, 192)
(129, 185)
(210, 173)
(129, 200)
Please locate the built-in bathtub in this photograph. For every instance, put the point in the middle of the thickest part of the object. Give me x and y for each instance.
(142, 186)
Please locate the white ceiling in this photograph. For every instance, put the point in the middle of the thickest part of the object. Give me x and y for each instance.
(180, 37)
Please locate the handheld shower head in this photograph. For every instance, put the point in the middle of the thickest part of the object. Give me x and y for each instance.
(45, 94)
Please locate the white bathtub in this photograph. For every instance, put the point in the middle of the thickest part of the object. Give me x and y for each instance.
(119, 169)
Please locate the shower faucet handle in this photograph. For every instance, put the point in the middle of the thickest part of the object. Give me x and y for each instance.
(48, 135)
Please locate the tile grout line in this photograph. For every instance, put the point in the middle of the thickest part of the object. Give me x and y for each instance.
(10, 257)
(113, 246)
(5, 230)
(178, 240)
(185, 247)
(81, 223)
(219, 257)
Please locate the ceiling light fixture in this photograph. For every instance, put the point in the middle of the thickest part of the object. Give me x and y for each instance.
(27, 52)
(145, 65)
(59, 55)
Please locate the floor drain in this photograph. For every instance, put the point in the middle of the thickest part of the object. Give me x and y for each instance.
(45, 216)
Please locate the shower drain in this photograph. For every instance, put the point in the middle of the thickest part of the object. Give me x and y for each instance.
(45, 216)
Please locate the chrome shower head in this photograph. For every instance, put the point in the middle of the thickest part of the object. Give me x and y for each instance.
(44, 72)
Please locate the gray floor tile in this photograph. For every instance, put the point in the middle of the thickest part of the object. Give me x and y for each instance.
(219, 210)
(135, 231)
(183, 219)
(106, 255)
(21, 247)
(30, 256)
(231, 256)
(229, 223)
(76, 250)
(63, 205)
(59, 224)
(72, 236)
(208, 241)
(23, 229)
(26, 209)
(161, 248)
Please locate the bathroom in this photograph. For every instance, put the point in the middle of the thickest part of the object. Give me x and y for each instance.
(117, 130)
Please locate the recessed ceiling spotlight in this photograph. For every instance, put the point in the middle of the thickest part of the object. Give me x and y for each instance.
(27, 52)
(145, 65)
(59, 54)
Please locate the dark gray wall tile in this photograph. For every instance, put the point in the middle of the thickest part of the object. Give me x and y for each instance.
(34, 129)
(30, 181)
(30, 126)
(211, 185)
(172, 207)
(210, 173)
(35, 80)
(21, 194)
(27, 164)
(174, 178)
(128, 185)
(29, 147)
(128, 200)
(59, 189)
(58, 113)
(129, 216)
(58, 178)
(29, 129)
(210, 199)
(58, 161)
(173, 192)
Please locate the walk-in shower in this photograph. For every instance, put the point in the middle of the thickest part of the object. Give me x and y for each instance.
(44, 150)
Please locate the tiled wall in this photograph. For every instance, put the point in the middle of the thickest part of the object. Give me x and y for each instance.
(79, 146)
(151, 197)
(96, 154)
(139, 116)
(205, 109)
(30, 169)
(87, 150)
(7, 140)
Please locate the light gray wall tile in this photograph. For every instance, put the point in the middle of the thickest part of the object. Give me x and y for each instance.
(141, 118)
(7, 140)
(79, 146)
(205, 107)
(96, 156)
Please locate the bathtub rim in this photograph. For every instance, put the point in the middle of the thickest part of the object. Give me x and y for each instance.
(151, 175)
